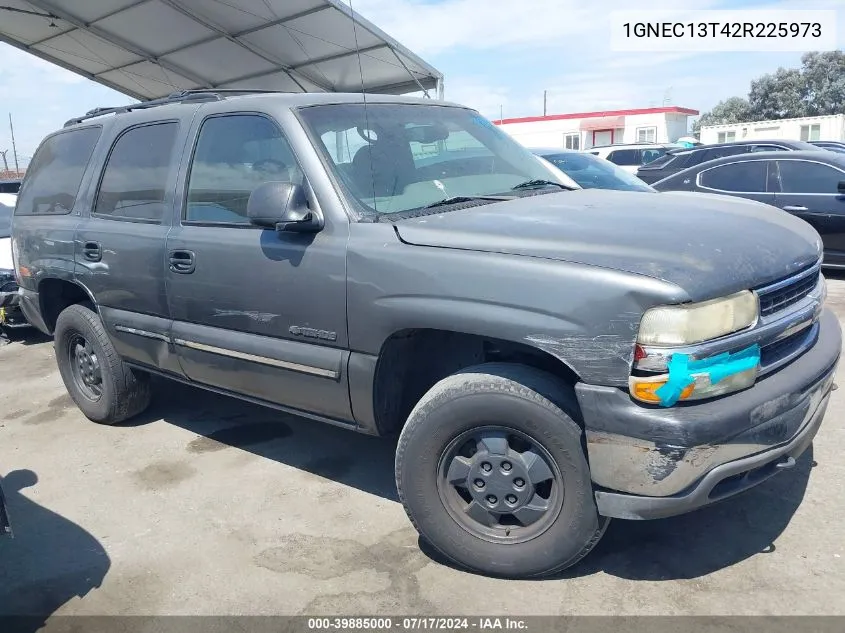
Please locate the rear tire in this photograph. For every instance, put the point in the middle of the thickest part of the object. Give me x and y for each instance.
(104, 388)
(491, 471)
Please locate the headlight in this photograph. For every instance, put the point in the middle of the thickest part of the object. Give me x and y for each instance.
(692, 323)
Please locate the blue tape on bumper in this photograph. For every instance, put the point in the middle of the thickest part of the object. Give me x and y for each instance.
(718, 367)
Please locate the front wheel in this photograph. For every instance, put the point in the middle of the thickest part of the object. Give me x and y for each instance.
(104, 388)
(491, 471)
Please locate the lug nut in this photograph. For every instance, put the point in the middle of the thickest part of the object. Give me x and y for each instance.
(486, 467)
(511, 499)
(506, 466)
(519, 482)
(491, 500)
(479, 483)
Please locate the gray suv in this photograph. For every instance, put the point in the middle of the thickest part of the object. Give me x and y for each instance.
(549, 356)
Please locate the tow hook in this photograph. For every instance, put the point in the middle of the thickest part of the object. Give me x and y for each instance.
(789, 462)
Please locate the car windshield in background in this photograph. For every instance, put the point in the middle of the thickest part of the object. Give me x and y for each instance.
(592, 172)
(399, 157)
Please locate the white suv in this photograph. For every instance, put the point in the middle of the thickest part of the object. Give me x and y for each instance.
(631, 157)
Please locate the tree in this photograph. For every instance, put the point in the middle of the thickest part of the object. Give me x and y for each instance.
(815, 89)
(732, 110)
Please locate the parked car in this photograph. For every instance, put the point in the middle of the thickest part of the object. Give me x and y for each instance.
(630, 156)
(809, 185)
(10, 312)
(834, 146)
(591, 171)
(550, 357)
(677, 160)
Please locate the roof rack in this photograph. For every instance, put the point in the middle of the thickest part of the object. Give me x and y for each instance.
(183, 96)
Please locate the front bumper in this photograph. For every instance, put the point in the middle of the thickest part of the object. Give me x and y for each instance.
(650, 462)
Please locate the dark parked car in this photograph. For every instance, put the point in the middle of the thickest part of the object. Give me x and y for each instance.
(10, 186)
(834, 146)
(591, 172)
(809, 185)
(549, 357)
(677, 160)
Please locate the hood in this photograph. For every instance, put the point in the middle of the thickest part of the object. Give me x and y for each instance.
(709, 245)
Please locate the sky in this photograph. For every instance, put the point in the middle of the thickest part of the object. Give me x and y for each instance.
(497, 56)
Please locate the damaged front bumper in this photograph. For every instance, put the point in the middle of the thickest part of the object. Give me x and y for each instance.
(649, 462)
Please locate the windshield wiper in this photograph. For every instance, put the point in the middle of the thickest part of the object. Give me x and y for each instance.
(459, 199)
(529, 184)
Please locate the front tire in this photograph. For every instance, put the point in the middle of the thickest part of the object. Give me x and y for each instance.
(491, 471)
(104, 388)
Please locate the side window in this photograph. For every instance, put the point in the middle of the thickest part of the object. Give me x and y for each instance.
(650, 155)
(720, 152)
(53, 179)
(798, 176)
(625, 157)
(767, 148)
(234, 155)
(745, 177)
(136, 173)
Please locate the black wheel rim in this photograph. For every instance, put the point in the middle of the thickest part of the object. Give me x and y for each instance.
(499, 484)
(85, 367)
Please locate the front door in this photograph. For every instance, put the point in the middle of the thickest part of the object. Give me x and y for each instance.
(257, 312)
(119, 251)
(809, 190)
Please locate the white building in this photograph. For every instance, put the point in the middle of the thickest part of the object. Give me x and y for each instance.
(583, 130)
(816, 128)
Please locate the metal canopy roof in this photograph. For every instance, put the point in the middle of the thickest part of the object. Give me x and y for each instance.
(150, 48)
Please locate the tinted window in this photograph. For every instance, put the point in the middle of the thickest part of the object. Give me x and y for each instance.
(650, 155)
(718, 152)
(234, 155)
(798, 176)
(747, 177)
(5, 220)
(10, 187)
(767, 148)
(625, 157)
(136, 173)
(661, 161)
(53, 178)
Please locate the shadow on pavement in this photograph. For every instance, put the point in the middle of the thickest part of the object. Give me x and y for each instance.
(350, 458)
(49, 561)
(23, 336)
(681, 547)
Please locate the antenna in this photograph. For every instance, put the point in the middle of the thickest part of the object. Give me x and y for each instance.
(14, 148)
(364, 97)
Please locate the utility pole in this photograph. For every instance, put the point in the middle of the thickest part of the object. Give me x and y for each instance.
(544, 103)
(14, 149)
(5, 162)
(501, 113)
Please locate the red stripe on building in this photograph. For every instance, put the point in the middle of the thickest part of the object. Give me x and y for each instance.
(587, 115)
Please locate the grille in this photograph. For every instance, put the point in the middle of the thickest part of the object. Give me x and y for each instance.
(776, 300)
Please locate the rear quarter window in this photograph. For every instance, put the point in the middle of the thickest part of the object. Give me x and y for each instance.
(625, 157)
(53, 178)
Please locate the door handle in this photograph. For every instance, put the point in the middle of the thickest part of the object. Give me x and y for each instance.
(92, 251)
(182, 262)
(794, 208)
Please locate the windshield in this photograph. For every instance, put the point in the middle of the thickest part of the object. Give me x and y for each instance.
(398, 157)
(592, 172)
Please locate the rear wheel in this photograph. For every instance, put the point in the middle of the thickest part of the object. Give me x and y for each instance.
(491, 471)
(104, 388)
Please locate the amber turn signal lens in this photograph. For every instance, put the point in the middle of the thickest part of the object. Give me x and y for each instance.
(646, 391)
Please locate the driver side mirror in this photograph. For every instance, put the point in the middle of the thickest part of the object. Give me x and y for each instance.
(282, 206)
(841, 187)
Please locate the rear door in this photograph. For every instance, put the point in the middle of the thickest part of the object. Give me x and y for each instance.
(809, 190)
(746, 179)
(120, 245)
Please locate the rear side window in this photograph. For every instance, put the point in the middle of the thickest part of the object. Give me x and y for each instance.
(625, 157)
(5, 220)
(799, 176)
(136, 173)
(718, 152)
(745, 177)
(55, 174)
